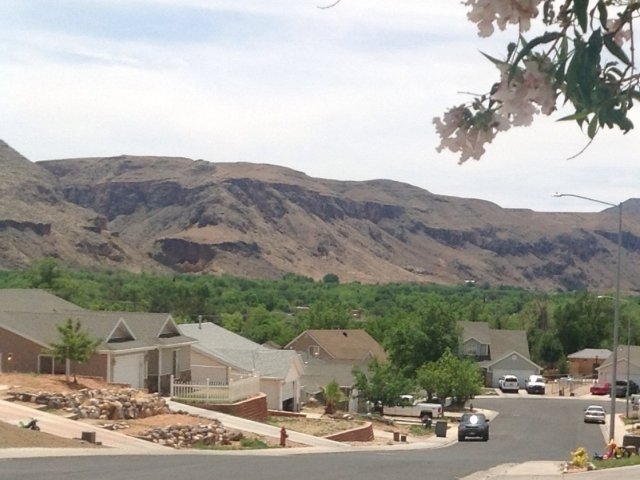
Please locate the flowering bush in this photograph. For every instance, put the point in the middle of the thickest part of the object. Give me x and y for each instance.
(584, 58)
(579, 458)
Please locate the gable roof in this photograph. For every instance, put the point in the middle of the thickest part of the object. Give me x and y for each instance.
(634, 356)
(119, 331)
(343, 344)
(497, 360)
(479, 331)
(501, 342)
(239, 352)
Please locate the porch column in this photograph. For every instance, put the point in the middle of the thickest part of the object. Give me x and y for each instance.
(159, 369)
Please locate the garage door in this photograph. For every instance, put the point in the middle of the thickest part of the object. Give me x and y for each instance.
(129, 369)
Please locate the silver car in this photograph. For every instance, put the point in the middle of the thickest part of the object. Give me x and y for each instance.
(594, 414)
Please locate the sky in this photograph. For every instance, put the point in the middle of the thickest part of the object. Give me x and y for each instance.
(345, 93)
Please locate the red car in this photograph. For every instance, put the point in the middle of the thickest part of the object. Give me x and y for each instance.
(600, 388)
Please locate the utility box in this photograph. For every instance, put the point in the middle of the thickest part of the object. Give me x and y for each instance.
(632, 440)
(441, 429)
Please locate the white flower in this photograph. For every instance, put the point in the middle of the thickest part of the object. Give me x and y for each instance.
(526, 93)
(466, 134)
(502, 12)
(621, 34)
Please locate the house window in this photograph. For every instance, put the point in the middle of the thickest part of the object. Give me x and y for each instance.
(470, 349)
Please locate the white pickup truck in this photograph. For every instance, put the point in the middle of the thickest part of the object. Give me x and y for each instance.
(414, 408)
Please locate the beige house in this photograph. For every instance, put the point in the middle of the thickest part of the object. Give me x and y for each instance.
(497, 352)
(221, 355)
(628, 363)
(142, 350)
(331, 355)
(585, 363)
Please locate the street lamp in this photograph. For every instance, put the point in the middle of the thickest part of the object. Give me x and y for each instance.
(616, 311)
(628, 356)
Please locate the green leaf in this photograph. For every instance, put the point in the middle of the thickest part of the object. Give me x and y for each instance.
(546, 38)
(493, 60)
(593, 127)
(615, 49)
(603, 13)
(581, 7)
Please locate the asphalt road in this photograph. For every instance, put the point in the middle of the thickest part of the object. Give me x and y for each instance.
(527, 428)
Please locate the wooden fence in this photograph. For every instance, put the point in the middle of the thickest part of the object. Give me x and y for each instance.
(238, 388)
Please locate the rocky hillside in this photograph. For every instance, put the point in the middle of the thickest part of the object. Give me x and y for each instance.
(263, 221)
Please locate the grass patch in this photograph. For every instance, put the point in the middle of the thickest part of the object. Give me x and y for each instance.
(247, 443)
(614, 463)
(420, 431)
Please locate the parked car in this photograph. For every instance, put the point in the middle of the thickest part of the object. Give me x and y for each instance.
(535, 384)
(594, 414)
(621, 388)
(600, 388)
(509, 383)
(473, 425)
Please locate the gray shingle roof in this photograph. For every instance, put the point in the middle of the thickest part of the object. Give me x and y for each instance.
(145, 328)
(591, 353)
(239, 352)
(33, 300)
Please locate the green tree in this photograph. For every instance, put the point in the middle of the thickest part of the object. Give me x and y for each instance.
(581, 322)
(382, 384)
(450, 377)
(75, 345)
(44, 273)
(421, 335)
(550, 349)
(331, 278)
(584, 58)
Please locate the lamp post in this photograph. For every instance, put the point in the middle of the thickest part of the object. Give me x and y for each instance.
(616, 312)
(628, 356)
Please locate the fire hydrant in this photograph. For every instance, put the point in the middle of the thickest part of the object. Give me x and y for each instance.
(283, 437)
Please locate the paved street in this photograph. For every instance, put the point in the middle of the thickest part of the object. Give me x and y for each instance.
(531, 436)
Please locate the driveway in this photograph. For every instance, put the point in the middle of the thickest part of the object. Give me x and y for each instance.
(14, 413)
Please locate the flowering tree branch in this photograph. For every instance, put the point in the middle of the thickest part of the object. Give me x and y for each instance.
(585, 58)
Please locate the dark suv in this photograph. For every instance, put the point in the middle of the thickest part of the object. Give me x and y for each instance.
(474, 425)
(621, 388)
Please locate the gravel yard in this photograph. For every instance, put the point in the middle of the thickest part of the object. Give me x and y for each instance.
(15, 437)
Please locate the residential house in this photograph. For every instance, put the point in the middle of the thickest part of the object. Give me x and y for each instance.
(220, 355)
(138, 349)
(497, 352)
(331, 355)
(628, 364)
(585, 362)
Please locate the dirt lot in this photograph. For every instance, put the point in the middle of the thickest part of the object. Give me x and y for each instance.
(11, 436)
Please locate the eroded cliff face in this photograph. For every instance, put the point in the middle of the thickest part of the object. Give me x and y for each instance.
(263, 221)
(37, 221)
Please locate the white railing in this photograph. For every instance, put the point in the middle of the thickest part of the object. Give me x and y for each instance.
(238, 388)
